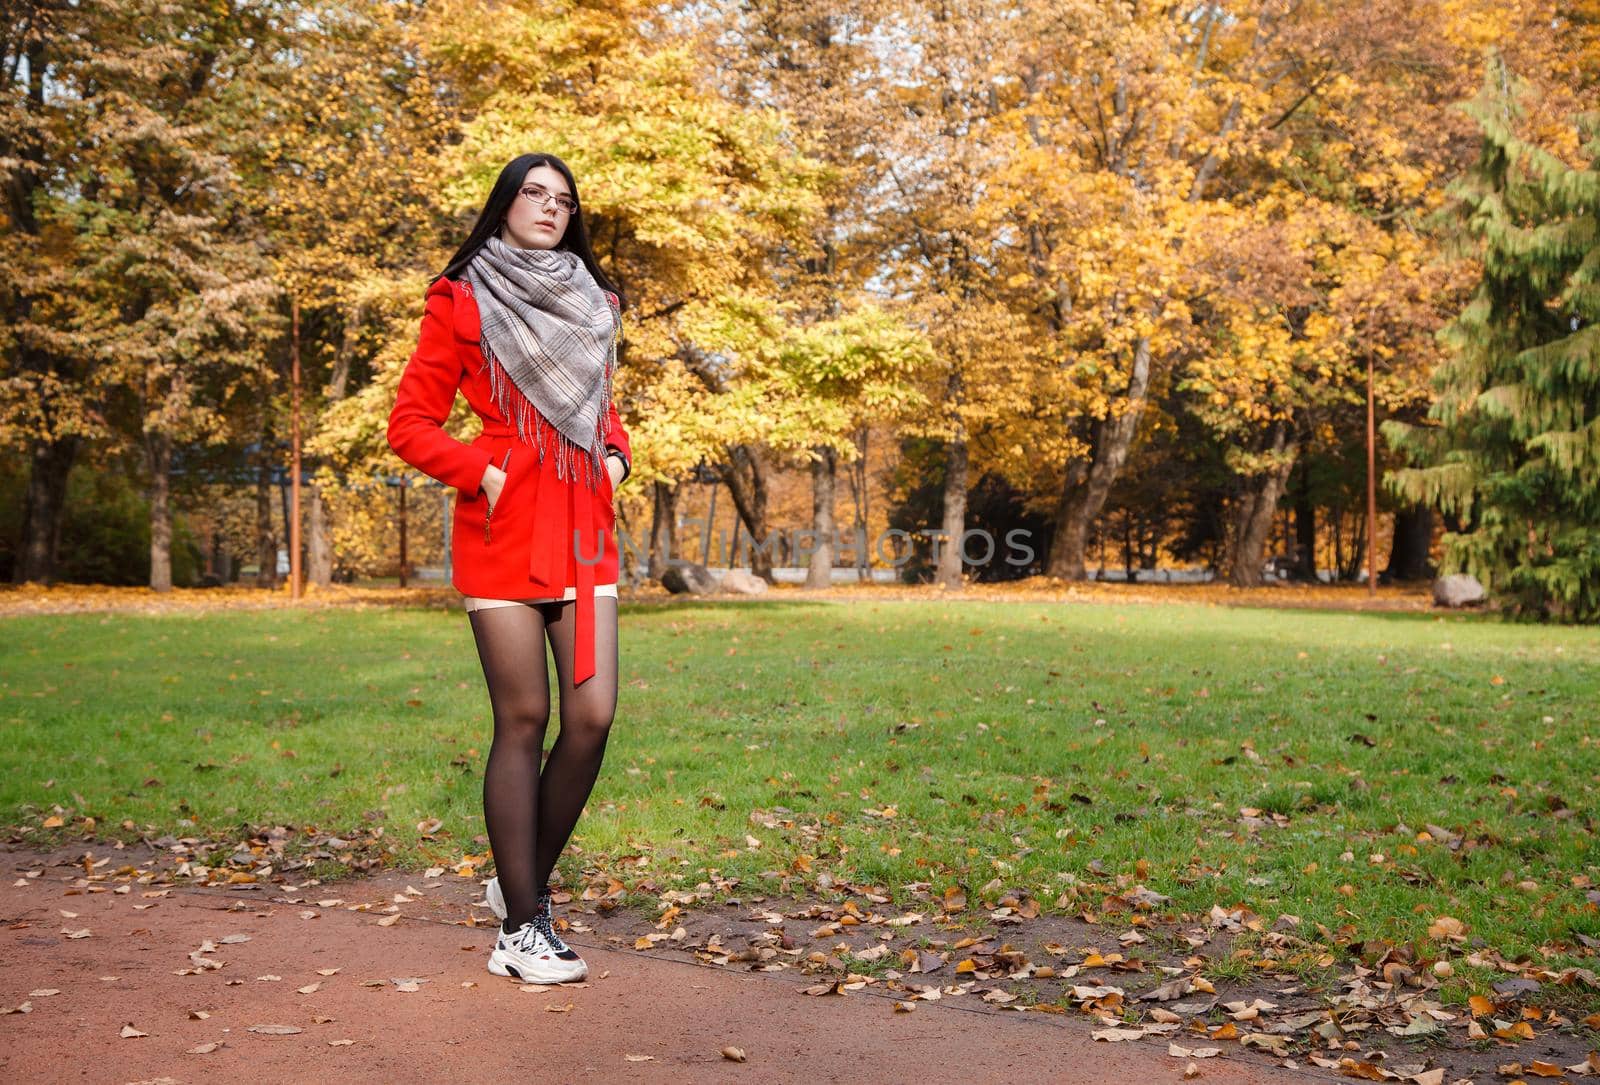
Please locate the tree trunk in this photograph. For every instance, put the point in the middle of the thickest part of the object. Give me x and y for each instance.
(948, 572)
(319, 539)
(663, 521)
(49, 464)
(1305, 531)
(266, 539)
(746, 476)
(1413, 540)
(319, 525)
(1257, 511)
(1084, 493)
(158, 456)
(824, 474)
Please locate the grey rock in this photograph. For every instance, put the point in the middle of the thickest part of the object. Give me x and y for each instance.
(690, 578)
(742, 582)
(1458, 590)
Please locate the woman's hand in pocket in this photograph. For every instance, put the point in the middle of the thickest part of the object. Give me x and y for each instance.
(494, 480)
(615, 470)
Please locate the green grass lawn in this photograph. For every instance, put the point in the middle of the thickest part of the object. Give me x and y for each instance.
(1286, 761)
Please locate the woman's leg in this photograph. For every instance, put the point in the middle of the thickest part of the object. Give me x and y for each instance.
(511, 648)
(586, 713)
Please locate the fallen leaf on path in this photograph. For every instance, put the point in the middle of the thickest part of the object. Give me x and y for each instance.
(26, 1007)
(733, 1054)
(388, 921)
(233, 939)
(904, 1007)
(1191, 1071)
(327, 971)
(1278, 1045)
(129, 1032)
(340, 1043)
(640, 1058)
(1178, 1052)
(198, 1015)
(560, 1009)
(44, 992)
(322, 1020)
(308, 989)
(1116, 1035)
(1366, 1071)
(204, 1049)
(408, 986)
(276, 1030)
(84, 933)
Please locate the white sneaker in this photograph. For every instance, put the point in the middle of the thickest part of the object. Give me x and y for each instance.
(495, 899)
(525, 955)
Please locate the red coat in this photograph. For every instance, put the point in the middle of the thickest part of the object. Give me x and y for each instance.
(538, 517)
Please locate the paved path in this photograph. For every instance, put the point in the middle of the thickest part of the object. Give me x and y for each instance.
(460, 1024)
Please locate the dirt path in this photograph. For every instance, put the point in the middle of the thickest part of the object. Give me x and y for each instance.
(411, 1001)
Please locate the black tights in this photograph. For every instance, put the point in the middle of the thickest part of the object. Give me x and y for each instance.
(529, 813)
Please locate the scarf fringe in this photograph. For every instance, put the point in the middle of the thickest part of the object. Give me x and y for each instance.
(516, 408)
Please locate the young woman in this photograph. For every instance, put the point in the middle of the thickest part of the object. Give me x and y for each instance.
(525, 325)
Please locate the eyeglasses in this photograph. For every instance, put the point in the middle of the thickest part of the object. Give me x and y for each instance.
(542, 197)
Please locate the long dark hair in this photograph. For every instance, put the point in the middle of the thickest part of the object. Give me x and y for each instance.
(498, 205)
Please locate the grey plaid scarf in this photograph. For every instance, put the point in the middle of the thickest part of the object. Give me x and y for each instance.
(549, 338)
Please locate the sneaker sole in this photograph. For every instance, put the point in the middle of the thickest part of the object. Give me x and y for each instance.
(504, 964)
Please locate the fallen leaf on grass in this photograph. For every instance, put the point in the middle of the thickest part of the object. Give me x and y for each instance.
(276, 1030)
(129, 1032)
(205, 1049)
(733, 1054)
(1447, 928)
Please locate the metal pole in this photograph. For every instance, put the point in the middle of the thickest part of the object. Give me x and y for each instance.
(403, 489)
(711, 523)
(294, 442)
(445, 495)
(1372, 485)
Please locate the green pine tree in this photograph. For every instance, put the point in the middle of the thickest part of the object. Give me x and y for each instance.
(1513, 451)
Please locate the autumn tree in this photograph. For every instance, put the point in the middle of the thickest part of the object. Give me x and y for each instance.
(138, 276)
